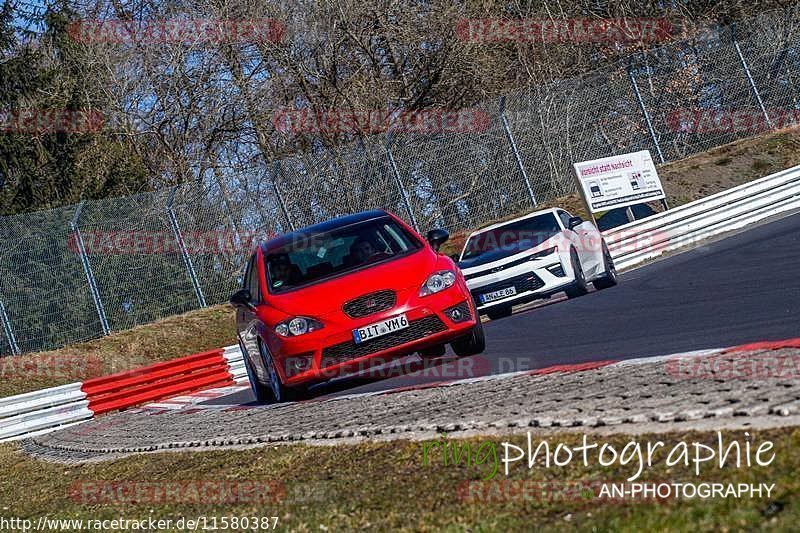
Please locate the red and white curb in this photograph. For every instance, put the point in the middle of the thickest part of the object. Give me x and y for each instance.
(189, 401)
(46, 410)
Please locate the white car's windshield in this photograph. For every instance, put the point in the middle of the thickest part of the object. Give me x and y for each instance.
(528, 232)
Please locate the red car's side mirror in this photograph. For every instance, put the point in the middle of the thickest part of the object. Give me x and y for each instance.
(437, 237)
(242, 298)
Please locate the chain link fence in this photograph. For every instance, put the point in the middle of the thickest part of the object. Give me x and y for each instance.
(79, 272)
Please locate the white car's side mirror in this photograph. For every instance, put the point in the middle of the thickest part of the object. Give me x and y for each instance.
(575, 222)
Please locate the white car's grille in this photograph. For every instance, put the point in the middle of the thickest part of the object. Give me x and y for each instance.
(524, 283)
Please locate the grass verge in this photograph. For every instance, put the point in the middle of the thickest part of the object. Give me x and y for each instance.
(386, 485)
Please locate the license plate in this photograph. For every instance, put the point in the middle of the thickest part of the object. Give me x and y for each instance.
(379, 329)
(498, 295)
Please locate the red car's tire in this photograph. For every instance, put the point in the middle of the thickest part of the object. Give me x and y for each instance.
(261, 393)
(275, 390)
(471, 344)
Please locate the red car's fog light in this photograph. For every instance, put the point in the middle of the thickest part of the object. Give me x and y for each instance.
(459, 313)
(297, 364)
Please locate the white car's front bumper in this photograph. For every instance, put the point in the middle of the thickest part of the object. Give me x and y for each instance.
(532, 279)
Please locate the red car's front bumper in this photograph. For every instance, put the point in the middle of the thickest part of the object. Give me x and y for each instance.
(332, 351)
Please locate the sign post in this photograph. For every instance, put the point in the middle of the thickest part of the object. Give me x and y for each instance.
(618, 181)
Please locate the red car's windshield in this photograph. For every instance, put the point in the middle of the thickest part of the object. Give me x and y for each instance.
(311, 258)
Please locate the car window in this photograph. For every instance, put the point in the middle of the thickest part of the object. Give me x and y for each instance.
(564, 216)
(246, 279)
(315, 257)
(252, 280)
(513, 236)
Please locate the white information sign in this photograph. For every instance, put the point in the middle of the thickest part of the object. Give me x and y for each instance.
(619, 181)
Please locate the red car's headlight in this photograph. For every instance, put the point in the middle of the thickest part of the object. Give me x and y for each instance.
(297, 326)
(437, 282)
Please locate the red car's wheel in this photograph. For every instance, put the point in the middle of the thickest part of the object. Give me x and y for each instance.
(277, 392)
(262, 394)
(471, 344)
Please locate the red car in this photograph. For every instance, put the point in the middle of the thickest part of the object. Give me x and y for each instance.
(341, 296)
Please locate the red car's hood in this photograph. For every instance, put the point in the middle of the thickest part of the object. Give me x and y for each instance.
(328, 296)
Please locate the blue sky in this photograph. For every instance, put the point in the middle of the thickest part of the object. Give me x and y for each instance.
(25, 9)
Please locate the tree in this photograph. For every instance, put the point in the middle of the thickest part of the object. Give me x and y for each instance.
(56, 147)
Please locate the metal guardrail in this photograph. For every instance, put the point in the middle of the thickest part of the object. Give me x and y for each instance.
(233, 355)
(38, 412)
(51, 408)
(170, 378)
(733, 209)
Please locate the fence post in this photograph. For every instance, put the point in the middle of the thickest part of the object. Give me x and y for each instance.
(12, 342)
(187, 260)
(513, 144)
(227, 203)
(279, 195)
(399, 182)
(749, 76)
(646, 115)
(87, 270)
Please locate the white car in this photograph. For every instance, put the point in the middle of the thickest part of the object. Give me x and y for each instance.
(533, 257)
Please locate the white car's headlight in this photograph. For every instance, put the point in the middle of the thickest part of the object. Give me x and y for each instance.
(297, 326)
(437, 282)
(543, 253)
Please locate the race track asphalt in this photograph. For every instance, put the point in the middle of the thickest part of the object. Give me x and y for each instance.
(744, 288)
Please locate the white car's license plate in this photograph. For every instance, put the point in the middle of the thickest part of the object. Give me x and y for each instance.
(379, 329)
(498, 295)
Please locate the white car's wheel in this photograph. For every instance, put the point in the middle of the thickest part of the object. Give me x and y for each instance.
(609, 279)
(579, 287)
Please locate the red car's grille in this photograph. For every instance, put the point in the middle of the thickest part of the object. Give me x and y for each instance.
(369, 304)
(417, 329)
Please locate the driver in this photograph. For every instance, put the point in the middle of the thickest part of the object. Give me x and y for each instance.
(280, 269)
(362, 250)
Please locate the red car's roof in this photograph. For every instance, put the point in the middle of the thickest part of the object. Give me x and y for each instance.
(322, 227)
